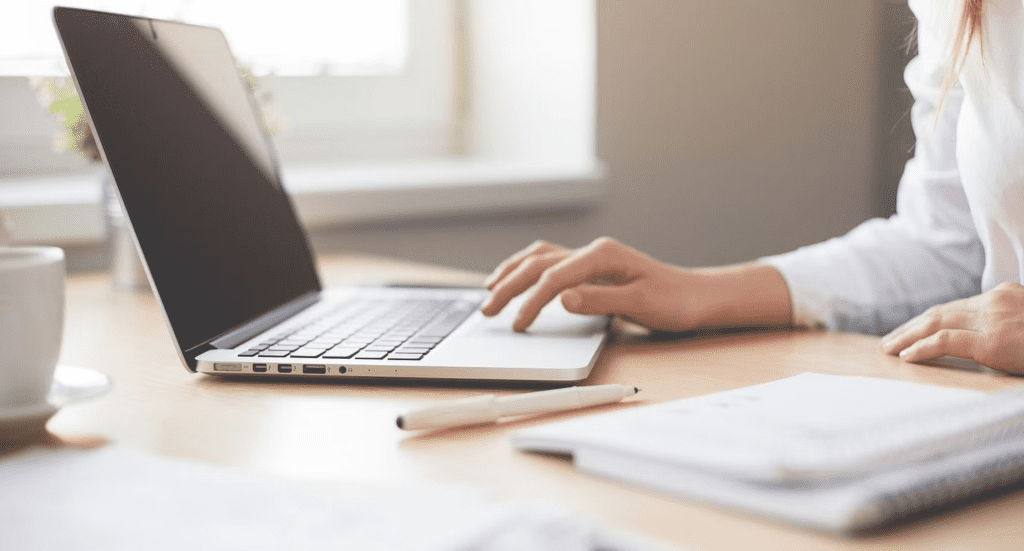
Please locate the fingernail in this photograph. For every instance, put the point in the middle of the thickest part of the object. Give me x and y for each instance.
(905, 353)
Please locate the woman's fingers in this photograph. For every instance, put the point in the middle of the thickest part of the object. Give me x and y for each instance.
(959, 343)
(955, 315)
(549, 270)
(513, 262)
(518, 280)
(600, 259)
(986, 328)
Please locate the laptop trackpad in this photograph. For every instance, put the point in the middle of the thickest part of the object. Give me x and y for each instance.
(554, 321)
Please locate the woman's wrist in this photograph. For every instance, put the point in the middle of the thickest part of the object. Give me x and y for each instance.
(743, 295)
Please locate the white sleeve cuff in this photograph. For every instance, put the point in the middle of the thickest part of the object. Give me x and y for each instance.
(807, 292)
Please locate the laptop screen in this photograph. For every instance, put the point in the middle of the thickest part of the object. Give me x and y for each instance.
(193, 167)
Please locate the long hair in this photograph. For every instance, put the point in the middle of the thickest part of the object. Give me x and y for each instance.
(967, 30)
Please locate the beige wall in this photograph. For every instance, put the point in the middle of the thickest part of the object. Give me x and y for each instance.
(730, 129)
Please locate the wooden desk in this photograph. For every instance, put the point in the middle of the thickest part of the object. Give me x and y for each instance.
(346, 431)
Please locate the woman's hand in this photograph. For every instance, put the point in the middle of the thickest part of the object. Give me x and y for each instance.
(607, 277)
(604, 277)
(988, 328)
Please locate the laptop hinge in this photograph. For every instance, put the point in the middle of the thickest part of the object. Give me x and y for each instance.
(245, 332)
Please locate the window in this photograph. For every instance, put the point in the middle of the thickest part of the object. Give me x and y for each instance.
(483, 106)
(298, 37)
(334, 70)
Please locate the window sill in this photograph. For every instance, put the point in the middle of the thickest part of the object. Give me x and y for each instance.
(66, 210)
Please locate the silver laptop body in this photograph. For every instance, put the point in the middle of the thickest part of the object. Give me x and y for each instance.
(225, 253)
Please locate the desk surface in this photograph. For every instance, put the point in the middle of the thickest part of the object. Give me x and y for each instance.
(346, 431)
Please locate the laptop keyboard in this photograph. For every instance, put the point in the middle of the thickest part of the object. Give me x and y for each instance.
(371, 329)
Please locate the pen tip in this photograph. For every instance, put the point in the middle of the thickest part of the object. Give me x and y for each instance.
(400, 422)
(636, 390)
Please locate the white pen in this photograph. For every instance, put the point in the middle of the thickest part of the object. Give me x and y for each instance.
(489, 408)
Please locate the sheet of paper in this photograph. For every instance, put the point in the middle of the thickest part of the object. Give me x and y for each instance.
(117, 499)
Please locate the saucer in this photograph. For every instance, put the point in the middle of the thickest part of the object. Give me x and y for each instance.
(70, 384)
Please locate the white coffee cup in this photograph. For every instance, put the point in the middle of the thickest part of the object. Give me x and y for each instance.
(31, 323)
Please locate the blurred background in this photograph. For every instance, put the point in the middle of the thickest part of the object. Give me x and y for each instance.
(701, 132)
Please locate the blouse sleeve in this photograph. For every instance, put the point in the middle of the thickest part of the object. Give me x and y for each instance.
(885, 271)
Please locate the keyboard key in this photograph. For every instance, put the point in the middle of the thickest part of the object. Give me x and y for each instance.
(249, 353)
(363, 340)
(367, 355)
(425, 340)
(419, 344)
(325, 343)
(341, 353)
(274, 354)
(412, 349)
(308, 352)
(347, 344)
(356, 345)
(397, 356)
(391, 342)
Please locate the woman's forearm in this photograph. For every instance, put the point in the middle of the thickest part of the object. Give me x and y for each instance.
(743, 295)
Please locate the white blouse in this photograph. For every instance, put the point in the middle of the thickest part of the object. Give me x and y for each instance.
(959, 226)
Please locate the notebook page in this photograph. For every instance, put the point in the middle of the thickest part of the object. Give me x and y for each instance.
(749, 432)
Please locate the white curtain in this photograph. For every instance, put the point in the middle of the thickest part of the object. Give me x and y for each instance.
(285, 37)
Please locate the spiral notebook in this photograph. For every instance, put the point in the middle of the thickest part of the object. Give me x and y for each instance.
(837, 453)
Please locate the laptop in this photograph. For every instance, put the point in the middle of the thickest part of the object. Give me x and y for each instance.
(225, 253)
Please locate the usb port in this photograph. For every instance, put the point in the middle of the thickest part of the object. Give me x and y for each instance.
(259, 368)
(284, 368)
(315, 369)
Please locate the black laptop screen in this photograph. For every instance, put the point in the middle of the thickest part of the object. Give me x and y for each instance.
(193, 167)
